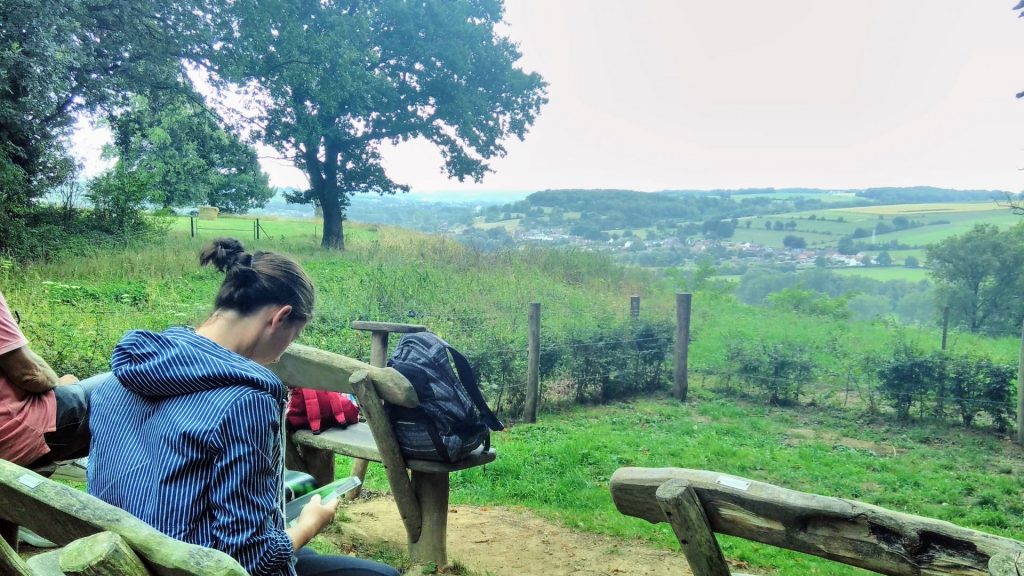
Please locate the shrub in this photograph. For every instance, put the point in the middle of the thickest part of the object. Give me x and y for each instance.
(908, 376)
(980, 385)
(778, 370)
(620, 362)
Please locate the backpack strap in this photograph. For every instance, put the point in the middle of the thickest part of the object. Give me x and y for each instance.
(338, 408)
(312, 409)
(469, 382)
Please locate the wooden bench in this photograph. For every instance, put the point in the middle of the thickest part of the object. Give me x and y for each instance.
(98, 538)
(698, 503)
(420, 487)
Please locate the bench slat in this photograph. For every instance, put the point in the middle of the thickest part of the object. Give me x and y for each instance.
(357, 441)
(846, 531)
(308, 367)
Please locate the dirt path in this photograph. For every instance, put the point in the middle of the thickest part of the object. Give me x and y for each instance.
(515, 542)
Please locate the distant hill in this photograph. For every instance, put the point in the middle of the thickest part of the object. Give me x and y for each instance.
(921, 194)
(602, 209)
(426, 211)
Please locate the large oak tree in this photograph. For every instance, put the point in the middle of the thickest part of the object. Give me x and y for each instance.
(333, 80)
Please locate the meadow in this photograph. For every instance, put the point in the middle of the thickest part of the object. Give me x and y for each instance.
(886, 273)
(75, 309)
(938, 221)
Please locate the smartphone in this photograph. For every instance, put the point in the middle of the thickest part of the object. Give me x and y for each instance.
(348, 485)
(327, 494)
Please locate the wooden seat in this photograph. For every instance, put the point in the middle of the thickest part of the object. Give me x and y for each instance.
(357, 441)
(420, 487)
(698, 503)
(65, 515)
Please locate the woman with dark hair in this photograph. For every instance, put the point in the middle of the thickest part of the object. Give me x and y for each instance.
(186, 431)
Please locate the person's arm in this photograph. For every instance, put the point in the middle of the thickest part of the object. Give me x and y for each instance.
(24, 369)
(245, 495)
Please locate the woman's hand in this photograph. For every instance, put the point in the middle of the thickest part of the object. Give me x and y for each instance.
(312, 519)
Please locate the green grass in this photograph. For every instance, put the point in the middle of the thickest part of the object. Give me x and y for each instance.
(885, 273)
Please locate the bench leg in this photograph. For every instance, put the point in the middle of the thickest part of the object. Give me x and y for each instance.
(684, 512)
(317, 463)
(431, 490)
(359, 467)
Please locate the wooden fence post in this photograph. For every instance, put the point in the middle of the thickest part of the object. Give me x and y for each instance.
(679, 376)
(1020, 390)
(945, 325)
(257, 228)
(634, 308)
(192, 225)
(533, 363)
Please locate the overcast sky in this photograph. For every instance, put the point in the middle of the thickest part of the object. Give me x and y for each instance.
(661, 94)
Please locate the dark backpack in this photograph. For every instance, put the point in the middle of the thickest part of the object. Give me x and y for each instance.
(452, 419)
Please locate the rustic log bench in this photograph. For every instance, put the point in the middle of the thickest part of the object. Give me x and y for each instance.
(420, 487)
(98, 538)
(697, 503)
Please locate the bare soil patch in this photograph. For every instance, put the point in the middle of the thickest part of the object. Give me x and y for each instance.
(796, 436)
(513, 541)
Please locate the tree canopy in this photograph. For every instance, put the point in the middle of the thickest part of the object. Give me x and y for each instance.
(981, 275)
(59, 59)
(190, 158)
(333, 80)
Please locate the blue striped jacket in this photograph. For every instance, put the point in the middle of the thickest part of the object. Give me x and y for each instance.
(186, 436)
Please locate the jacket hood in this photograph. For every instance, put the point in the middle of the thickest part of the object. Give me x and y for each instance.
(178, 361)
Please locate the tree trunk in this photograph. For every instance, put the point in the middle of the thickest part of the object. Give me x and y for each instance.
(330, 201)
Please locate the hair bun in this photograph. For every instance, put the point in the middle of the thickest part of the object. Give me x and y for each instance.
(225, 254)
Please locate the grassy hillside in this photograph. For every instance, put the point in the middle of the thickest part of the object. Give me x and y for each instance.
(75, 310)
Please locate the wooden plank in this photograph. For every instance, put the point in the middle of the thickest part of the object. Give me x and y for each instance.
(46, 564)
(308, 367)
(102, 554)
(357, 441)
(684, 512)
(390, 455)
(387, 327)
(478, 457)
(846, 531)
(1006, 565)
(63, 514)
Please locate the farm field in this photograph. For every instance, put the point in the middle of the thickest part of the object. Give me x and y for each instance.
(884, 273)
(900, 256)
(773, 238)
(955, 218)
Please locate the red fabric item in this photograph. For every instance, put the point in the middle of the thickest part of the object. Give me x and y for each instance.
(319, 410)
